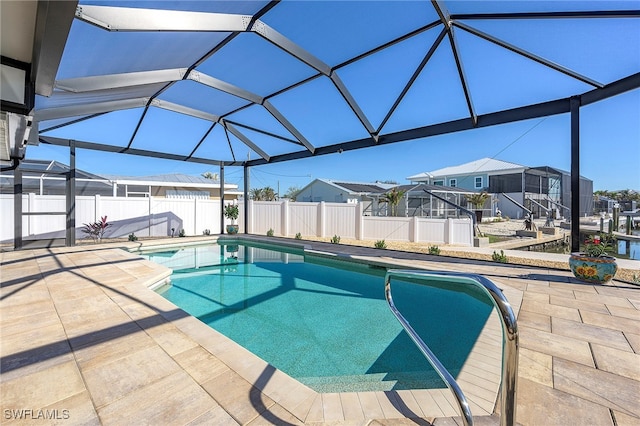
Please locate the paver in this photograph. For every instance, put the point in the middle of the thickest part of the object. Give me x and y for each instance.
(101, 344)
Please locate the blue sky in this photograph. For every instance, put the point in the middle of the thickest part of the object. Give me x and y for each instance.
(610, 130)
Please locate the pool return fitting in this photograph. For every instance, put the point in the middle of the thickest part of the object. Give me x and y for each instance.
(509, 333)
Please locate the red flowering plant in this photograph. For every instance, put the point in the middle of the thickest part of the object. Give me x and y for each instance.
(96, 230)
(598, 245)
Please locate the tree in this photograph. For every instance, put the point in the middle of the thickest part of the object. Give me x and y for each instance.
(269, 194)
(292, 193)
(209, 175)
(263, 194)
(257, 194)
(478, 199)
(393, 197)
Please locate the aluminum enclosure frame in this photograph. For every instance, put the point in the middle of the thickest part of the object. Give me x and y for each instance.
(123, 19)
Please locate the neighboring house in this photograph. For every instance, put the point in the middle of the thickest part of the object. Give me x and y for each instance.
(173, 185)
(418, 199)
(341, 192)
(540, 189)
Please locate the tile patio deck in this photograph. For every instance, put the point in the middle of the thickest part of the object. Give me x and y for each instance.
(86, 342)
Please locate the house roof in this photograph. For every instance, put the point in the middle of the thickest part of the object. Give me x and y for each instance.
(483, 165)
(357, 187)
(170, 179)
(364, 187)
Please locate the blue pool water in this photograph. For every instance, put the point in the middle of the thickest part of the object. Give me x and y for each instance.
(325, 323)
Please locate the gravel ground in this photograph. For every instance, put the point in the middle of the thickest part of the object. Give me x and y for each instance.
(506, 228)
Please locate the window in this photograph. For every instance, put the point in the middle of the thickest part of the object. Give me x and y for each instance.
(453, 182)
(478, 182)
(438, 182)
(186, 194)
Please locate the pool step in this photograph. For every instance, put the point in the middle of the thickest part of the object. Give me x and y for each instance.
(372, 382)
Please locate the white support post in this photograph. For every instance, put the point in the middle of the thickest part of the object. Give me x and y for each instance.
(31, 207)
(195, 216)
(150, 216)
(97, 207)
(285, 218)
(321, 219)
(249, 226)
(413, 230)
(359, 220)
(448, 231)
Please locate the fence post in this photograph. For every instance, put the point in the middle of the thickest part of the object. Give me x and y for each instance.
(249, 226)
(284, 215)
(359, 221)
(97, 206)
(448, 230)
(31, 207)
(150, 216)
(413, 230)
(321, 219)
(195, 216)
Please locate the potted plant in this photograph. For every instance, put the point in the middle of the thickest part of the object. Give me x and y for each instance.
(231, 212)
(594, 265)
(477, 200)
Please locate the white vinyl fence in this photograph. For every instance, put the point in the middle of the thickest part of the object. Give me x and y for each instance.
(156, 217)
(149, 216)
(346, 221)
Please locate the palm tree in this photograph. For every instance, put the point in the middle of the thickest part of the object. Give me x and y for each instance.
(257, 194)
(393, 197)
(209, 175)
(269, 193)
(478, 199)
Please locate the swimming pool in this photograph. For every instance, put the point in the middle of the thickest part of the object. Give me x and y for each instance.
(324, 322)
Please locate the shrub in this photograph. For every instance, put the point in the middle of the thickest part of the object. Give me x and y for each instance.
(435, 250)
(598, 245)
(500, 258)
(231, 211)
(132, 237)
(270, 233)
(182, 233)
(335, 239)
(298, 236)
(96, 230)
(380, 244)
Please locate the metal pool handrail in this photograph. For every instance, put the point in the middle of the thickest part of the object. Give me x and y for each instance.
(509, 347)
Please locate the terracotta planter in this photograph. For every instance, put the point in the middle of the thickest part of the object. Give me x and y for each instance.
(232, 229)
(596, 270)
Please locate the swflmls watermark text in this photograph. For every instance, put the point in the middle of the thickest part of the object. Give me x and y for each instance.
(35, 414)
